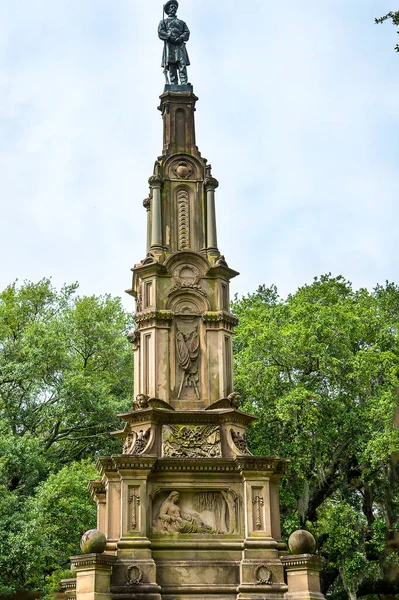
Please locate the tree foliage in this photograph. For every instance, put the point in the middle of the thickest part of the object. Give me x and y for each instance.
(65, 373)
(321, 371)
(391, 16)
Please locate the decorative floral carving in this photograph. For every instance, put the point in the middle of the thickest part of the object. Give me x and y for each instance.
(263, 575)
(134, 501)
(136, 443)
(187, 352)
(134, 575)
(240, 442)
(258, 503)
(192, 442)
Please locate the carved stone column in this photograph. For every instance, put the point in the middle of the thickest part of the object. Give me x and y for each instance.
(210, 186)
(147, 206)
(93, 576)
(156, 228)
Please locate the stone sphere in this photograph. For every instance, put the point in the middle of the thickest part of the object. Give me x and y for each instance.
(93, 542)
(302, 542)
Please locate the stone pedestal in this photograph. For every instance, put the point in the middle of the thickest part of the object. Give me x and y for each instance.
(93, 576)
(303, 577)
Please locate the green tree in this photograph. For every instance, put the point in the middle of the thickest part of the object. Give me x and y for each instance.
(391, 16)
(66, 371)
(320, 369)
(39, 535)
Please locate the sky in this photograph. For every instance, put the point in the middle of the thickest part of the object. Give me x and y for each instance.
(298, 114)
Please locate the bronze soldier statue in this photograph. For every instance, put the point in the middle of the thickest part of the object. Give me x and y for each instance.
(175, 34)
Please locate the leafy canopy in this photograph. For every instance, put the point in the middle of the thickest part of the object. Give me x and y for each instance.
(66, 371)
(321, 369)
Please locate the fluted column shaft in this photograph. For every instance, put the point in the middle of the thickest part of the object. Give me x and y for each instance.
(210, 186)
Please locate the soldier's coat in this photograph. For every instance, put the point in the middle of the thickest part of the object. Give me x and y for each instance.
(174, 53)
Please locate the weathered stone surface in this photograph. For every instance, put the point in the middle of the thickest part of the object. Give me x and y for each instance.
(93, 541)
(302, 542)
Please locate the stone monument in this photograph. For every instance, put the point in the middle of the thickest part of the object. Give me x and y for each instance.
(187, 511)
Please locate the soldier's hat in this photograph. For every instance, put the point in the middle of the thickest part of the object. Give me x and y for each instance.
(168, 4)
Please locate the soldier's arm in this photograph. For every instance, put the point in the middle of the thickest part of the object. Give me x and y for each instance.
(185, 36)
(162, 31)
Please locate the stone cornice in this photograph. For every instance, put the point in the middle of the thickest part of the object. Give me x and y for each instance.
(105, 465)
(156, 315)
(96, 488)
(134, 462)
(302, 561)
(69, 584)
(271, 464)
(203, 465)
(220, 316)
(93, 560)
(178, 417)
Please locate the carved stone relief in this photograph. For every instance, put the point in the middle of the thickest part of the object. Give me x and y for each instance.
(134, 575)
(189, 441)
(187, 353)
(187, 276)
(258, 503)
(139, 297)
(136, 442)
(210, 512)
(182, 169)
(240, 442)
(183, 211)
(134, 501)
(263, 575)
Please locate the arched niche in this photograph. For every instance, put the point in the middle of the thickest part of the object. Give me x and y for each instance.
(187, 302)
(176, 261)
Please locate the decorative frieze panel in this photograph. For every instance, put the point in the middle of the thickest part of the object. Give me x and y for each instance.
(185, 441)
